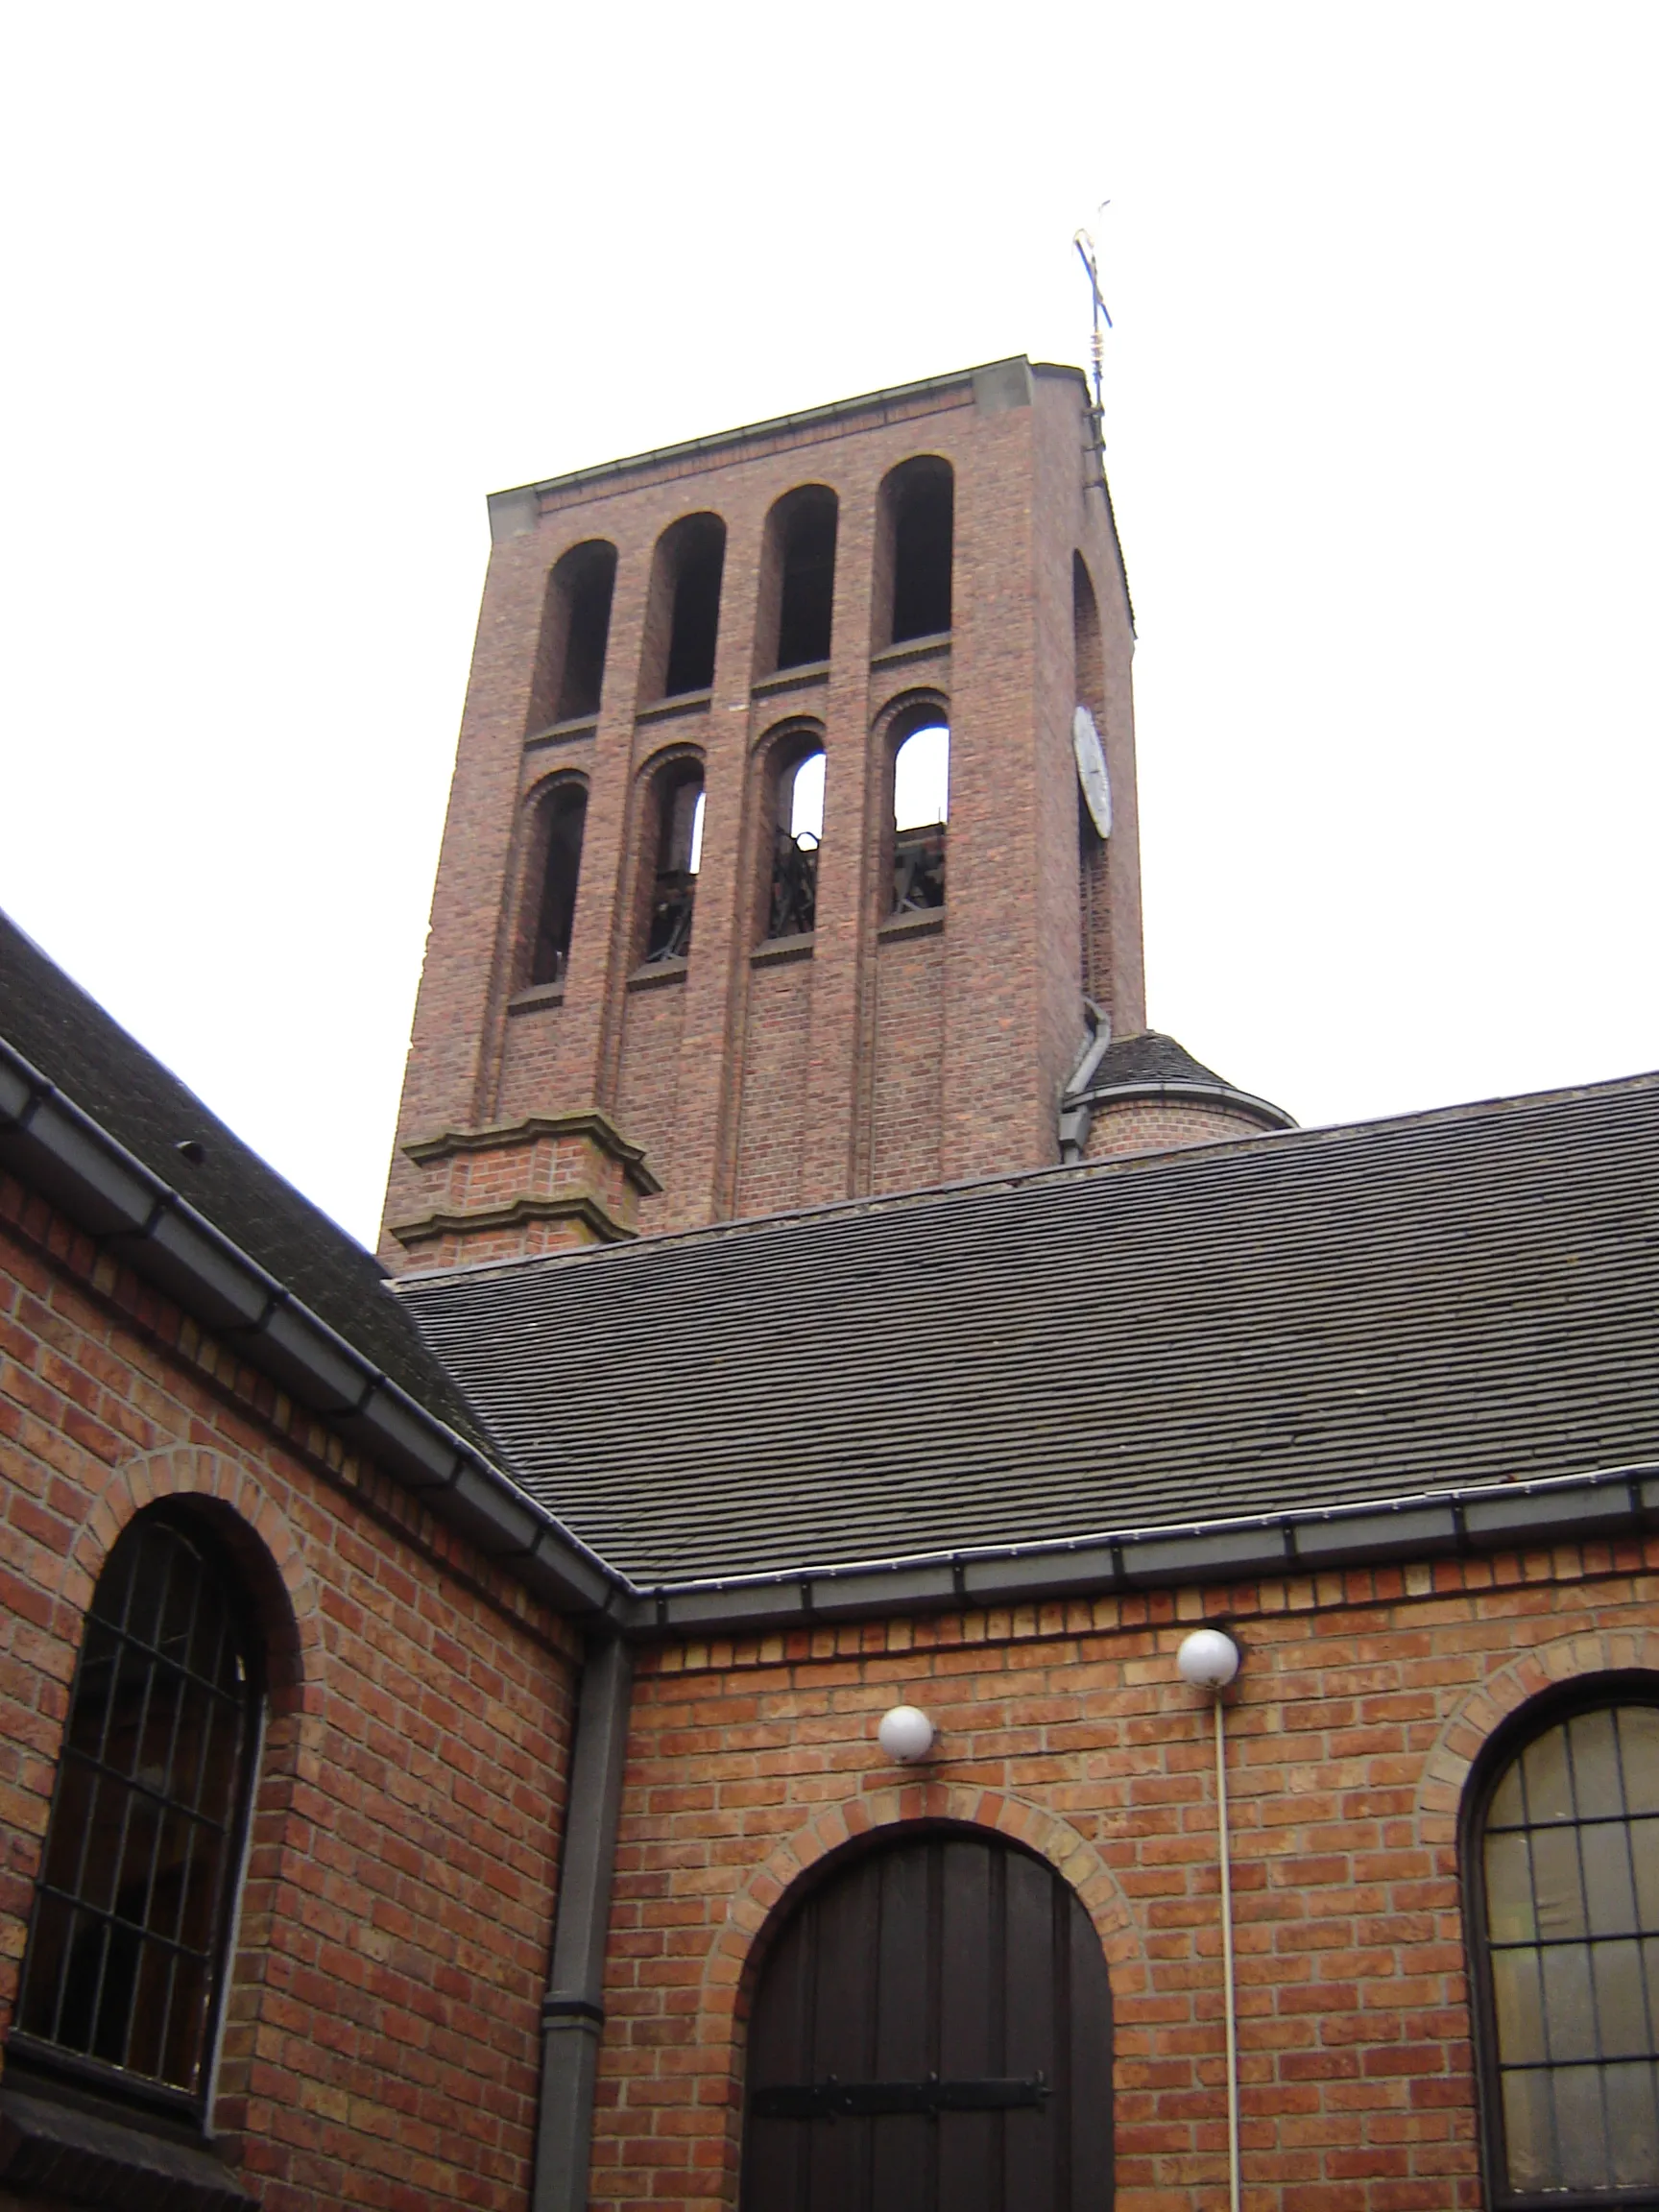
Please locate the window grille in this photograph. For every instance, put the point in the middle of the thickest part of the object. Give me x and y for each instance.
(124, 1954)
(1565, 1898)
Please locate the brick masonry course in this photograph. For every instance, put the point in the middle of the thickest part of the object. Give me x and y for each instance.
(380, 2046)
(892, 1062)
(1363, 1697)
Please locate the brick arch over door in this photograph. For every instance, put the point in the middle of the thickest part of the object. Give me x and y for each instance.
(932, 2024)
(732, 1960)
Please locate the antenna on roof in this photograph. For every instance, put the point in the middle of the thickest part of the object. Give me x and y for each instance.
(1086, 253)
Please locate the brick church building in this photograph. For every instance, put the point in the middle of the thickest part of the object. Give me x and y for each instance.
(674, 1686)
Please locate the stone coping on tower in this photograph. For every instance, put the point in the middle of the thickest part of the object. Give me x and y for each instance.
(994, 386)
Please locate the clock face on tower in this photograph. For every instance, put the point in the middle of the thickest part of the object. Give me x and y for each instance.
(1091, 757)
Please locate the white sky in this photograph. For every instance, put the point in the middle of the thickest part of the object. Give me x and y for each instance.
(290, 290)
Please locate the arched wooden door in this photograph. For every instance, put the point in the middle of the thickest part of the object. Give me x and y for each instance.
(933, 2033)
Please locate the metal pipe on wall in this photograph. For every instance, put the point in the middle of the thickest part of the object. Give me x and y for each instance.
(574, 2009)
(1229, 2002)
(1208, 1660)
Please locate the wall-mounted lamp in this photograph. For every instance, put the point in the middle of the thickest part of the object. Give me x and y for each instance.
(905, 1734)
(1208, 1660)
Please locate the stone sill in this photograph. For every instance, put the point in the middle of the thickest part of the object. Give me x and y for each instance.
(937, 646)
(928, 922)
(778, 949)
(807, 678)
(94, 2158)
(656, 972)
(539, 994)
(565, 733)
(671, 710)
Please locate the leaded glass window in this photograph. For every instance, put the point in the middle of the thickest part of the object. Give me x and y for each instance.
(124, 1954)
(1566, 1897)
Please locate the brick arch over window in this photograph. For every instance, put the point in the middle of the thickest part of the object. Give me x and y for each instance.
(569, 674)
(1469, 1728)
(239, 1506)
(913, 850)
(914, 550)
(797, 592)
(785, 870)
(667, 813)
(556, 812)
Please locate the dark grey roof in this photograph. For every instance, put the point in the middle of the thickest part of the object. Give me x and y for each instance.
(1150, 1058)
(91, 1059)
(1306, 1319)
(1151, 1064)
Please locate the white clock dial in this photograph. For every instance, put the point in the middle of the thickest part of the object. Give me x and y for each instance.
(1091, 757)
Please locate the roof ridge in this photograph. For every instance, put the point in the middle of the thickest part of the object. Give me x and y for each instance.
(1319, 1134)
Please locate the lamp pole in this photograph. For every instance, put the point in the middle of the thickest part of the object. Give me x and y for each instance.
(1209, 1660)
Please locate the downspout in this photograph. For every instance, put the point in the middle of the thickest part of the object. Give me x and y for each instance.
(574, 2009)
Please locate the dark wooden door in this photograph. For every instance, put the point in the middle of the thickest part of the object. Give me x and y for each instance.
(933, 2033)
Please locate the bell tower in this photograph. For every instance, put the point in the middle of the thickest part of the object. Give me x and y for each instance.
(769, 876)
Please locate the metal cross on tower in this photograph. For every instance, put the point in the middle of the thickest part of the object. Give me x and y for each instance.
(1086, 253)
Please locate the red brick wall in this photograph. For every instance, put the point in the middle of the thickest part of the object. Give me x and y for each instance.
(648, 1090)
(1363, 1700)
(529, 1062)
(908, 1077)
(1012, 1021)
(1160, 1125)
(381, 2039)
(777, 1044)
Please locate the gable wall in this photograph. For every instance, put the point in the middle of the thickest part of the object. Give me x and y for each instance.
(1363, 1698)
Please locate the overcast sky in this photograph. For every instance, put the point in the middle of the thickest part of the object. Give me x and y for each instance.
(289, 290)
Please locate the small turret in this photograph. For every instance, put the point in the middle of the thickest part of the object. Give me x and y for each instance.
(1147, 1093)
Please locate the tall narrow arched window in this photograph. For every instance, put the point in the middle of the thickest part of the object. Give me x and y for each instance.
(798, 830)
(563, 815)
(575, 632)
(800, 569)
(920, 810)
(683, 617)
(918, 531)
(1562, 1894)
(124, 1973)
(676, 859)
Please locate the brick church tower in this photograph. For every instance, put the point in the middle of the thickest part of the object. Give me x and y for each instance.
(768, 878)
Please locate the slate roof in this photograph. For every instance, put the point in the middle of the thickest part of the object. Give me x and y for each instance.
(1151, 1057)
(67, 1036)
(1298, 1319)
(1153, 1065)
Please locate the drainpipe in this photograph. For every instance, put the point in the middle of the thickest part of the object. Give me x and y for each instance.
(573, 2010)
(1209, 1660)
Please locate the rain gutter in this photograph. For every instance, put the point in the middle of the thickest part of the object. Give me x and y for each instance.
(108, 1191)
(1484, 1517)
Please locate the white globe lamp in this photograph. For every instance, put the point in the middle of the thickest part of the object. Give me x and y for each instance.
(1208, 1660)
(905, 1734)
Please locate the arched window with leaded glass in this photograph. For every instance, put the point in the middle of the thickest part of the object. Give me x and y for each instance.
(1561, 1867)
(125, 1968)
